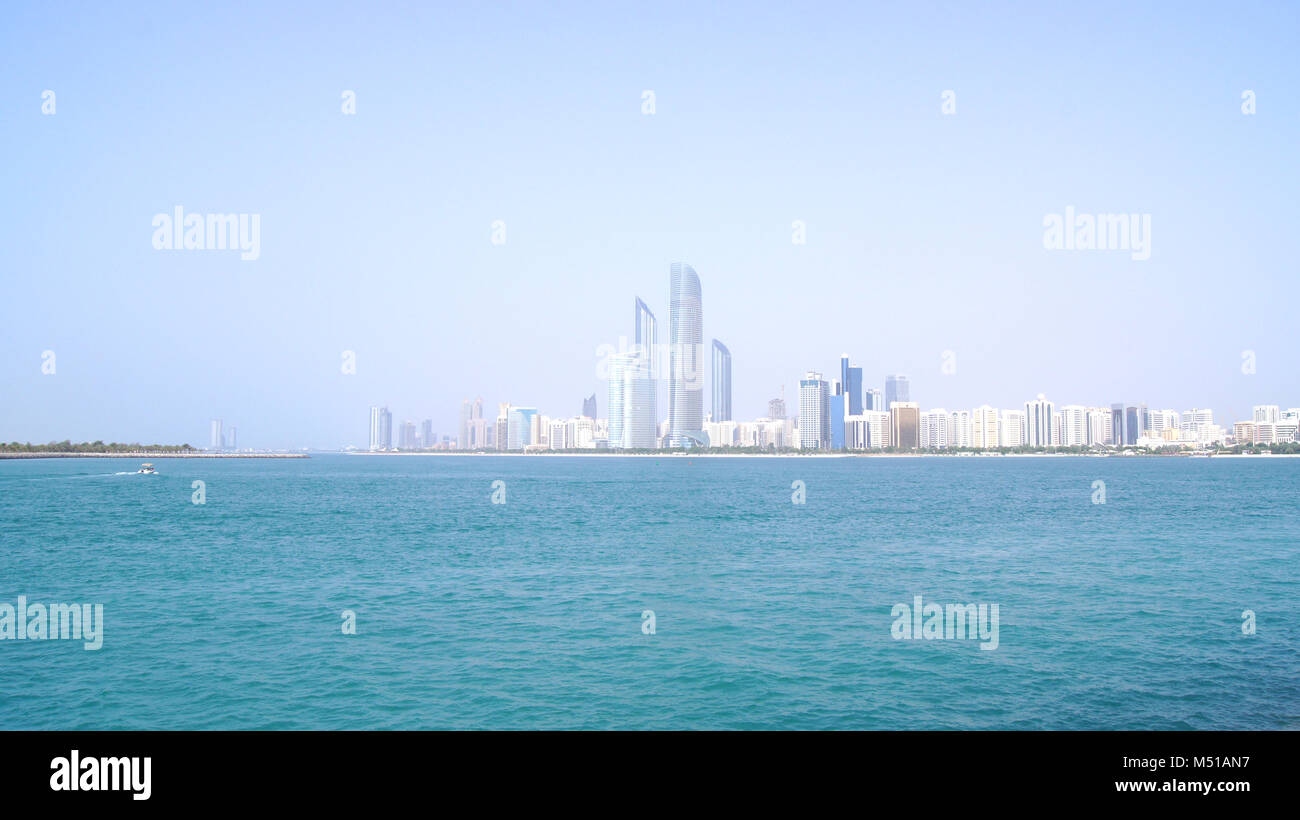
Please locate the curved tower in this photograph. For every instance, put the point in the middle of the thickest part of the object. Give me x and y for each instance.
(685, 355)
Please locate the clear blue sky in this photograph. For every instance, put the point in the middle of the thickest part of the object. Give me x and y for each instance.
(924, 230)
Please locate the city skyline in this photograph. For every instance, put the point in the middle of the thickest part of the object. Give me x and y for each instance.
(914, 232)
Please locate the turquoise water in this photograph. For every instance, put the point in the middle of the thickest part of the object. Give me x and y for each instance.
(768, 614)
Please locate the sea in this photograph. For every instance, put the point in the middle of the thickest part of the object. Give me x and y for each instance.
(676, 592)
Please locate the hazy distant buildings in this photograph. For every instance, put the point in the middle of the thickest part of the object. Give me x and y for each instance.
(501, 435)
(426, 433)
(589, 406)
(218, 438)
(721, 382)
(776, 408)
(873, 399)
(814, 412)
(406, 436)
(686, 342)
(381, 429)
(896, 389)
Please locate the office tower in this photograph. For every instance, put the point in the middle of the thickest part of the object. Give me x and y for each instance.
(617, 389)
(984, 428)
(851, 378)
(218, 437)
(686, 342)
(814, 412)
(646, 341)
(462, 438)
(639, 427)
(426, 433)
(232, 441)
(776, 407)
(1038, 422)
(934, 429)
(502, 434)
(520, 427)
(1012, 428)
(896, 389)
(875, 400)
(905, 425)
(721, 408)
(589, 406)
(381, 428)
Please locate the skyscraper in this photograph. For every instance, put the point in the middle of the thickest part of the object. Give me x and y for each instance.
(520, 426)
(851, 379)
(589, 406)
(685, 351)
(426, 434)
(381, 429)
(896, 389)
(646, 341)
(218, 440)
(814, 412)
(905, 423)
(721, 382)
(874, 400)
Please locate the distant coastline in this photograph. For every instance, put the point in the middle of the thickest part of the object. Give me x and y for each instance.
(144, 454)
(813, 454)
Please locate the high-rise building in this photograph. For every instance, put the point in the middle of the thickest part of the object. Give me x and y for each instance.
(1038, 422)
(1267, 413)
(814, 412)
(218, 440)
(851, 378)
(426, 434)
(631, 404)
(502, 434)
(381, 429)
(686, 343)
(406, 435)
(905, 425)
(959, 428)
(589, 407)
(1074, 425)
(776, 407)
(934, 429)
(232, 440)
(896, 389)
(984, 428)
(521, 428)
(721, 408)
(646, 340)
(1012, 428)
(874, 400)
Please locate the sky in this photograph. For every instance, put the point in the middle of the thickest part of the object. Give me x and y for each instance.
(924, 229)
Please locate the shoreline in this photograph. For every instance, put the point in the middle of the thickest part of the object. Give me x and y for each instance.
(147, 456)
(687, 454)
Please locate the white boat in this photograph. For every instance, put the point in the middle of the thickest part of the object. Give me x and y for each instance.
(147, 469)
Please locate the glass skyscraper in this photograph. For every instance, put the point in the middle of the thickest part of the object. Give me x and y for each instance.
(851, 382)
(721, 382)
(646, 333)
(685, 351)
(896, 389)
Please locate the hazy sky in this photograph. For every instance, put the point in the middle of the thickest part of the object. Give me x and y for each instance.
(924, 230)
